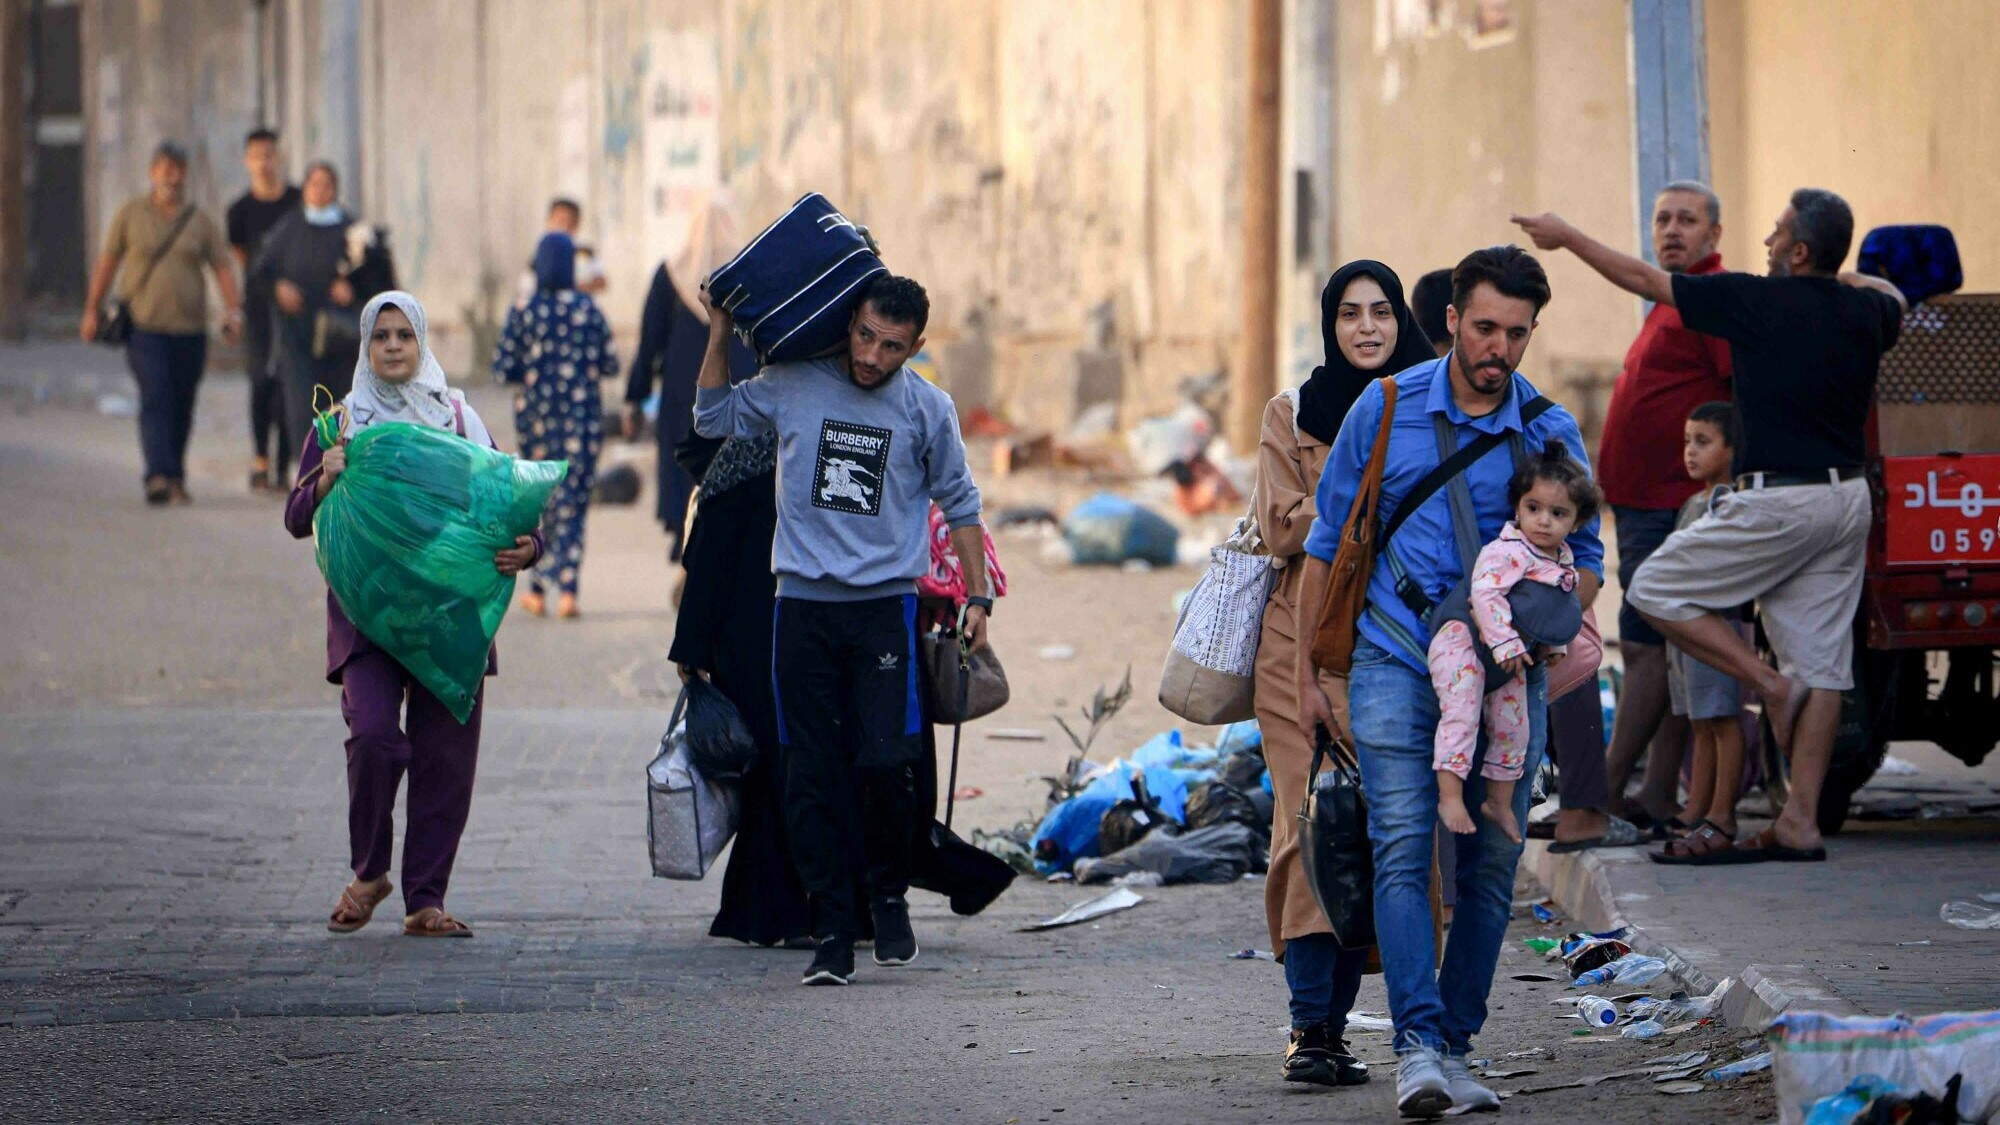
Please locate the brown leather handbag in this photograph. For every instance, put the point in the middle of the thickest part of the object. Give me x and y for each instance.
(1354, 561)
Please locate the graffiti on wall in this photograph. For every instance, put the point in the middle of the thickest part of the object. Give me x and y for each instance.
(683, 134)
(621, 107)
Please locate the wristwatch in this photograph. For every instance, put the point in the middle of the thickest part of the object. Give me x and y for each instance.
(983, 603)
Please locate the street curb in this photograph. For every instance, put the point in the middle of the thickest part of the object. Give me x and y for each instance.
(1606, 888)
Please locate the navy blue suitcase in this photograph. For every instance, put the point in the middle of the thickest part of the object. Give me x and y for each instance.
(1920, 260)
(793, 290)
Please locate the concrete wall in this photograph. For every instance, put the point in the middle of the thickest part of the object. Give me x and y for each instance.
(1894, 106)
(1043, 167)
(1444, 131)
(1063, 176)
(155, 69)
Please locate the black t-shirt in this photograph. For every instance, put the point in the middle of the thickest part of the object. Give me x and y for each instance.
(251, 218)
(1806, 352)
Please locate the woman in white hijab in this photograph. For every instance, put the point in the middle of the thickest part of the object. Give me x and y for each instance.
(397, 379)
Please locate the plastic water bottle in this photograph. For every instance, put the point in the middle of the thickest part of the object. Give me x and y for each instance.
(1597, 1011)
(1633, 969)
(1636, 970)
(1970, 915)
(1593, 978)
(1644, 1029)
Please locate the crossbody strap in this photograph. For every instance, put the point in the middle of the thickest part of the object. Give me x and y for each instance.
(166, 244)
(1455, 465)
(1458, 494)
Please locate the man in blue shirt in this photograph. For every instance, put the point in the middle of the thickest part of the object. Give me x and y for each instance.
(1497, 294)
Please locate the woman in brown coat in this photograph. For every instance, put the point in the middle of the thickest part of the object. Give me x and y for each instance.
(1369, 332)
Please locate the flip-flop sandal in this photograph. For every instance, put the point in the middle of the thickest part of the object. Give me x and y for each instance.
(1706, 845)
(358, 908)
(1765, 848)
(1620, 833)
(432, 921)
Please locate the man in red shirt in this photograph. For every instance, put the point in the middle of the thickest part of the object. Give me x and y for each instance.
(1668, 372)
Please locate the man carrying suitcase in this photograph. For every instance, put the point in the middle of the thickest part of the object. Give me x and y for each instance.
(864, 447)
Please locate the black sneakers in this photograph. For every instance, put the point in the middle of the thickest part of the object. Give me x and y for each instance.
(895, 942)
(1347, 1070)
(1313, 1055)
(833, 963)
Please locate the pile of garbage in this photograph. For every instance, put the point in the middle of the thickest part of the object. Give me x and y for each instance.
(1858, 1070)
(1164, 814)
(1606, 961)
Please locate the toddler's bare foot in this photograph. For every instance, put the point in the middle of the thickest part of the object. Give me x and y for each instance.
(1500, 814)
(1451, 803)
(1455, 816)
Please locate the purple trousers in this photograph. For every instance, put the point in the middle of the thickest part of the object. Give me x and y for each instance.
(438, 753)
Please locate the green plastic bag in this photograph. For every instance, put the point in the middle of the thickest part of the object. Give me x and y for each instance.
(406, 539)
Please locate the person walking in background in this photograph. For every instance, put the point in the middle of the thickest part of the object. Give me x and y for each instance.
(556, 348)
(1669, 371)
(1805, 347)
(155, 248)
(1368, 332)
(250, 218)
(397, 379)
(1428, 301)
(565, 217)
(673, 336)
(304, 262)
(1437, 1006)
(1708, 697)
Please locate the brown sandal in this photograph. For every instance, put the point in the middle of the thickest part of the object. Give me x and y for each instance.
(1705, 846)
(432, 921)
(354, 910)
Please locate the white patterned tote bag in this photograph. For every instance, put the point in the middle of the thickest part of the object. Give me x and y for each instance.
(1211, 672)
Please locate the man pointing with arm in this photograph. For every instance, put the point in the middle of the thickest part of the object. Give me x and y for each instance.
(1806, 343)
(864, 447)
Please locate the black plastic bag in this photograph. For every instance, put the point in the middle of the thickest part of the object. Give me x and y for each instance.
(618, 484)
(1217, 802)
(718, 741)
(943, 863)
(1333, 844)
(1129, 821)
(1243, 769)
(1220, 853)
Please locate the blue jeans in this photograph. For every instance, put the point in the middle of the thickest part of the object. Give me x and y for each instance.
(1394, 716)
(168, 369)
(1324, 980)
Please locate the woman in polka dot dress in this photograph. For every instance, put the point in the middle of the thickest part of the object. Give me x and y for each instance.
(555, 348)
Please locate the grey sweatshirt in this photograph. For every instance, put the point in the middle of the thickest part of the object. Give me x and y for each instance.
(857, 471)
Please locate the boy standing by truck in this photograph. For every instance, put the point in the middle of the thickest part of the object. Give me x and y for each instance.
(1709, 698)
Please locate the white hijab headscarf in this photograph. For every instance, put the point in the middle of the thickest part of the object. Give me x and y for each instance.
(710, 243)
(424, 399)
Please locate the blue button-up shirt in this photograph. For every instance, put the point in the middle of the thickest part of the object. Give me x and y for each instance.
(1424, 545)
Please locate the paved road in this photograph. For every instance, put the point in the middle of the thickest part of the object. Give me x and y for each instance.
(161, 956)
(171, 840)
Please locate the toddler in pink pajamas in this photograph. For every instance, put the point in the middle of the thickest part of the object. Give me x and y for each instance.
(1551, 496)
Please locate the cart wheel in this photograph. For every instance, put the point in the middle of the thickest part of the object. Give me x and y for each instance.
(1866, 712)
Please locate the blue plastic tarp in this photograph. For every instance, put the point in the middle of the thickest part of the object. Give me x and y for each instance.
(1072, 825)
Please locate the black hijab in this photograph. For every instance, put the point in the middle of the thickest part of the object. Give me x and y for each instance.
(1326, 397)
